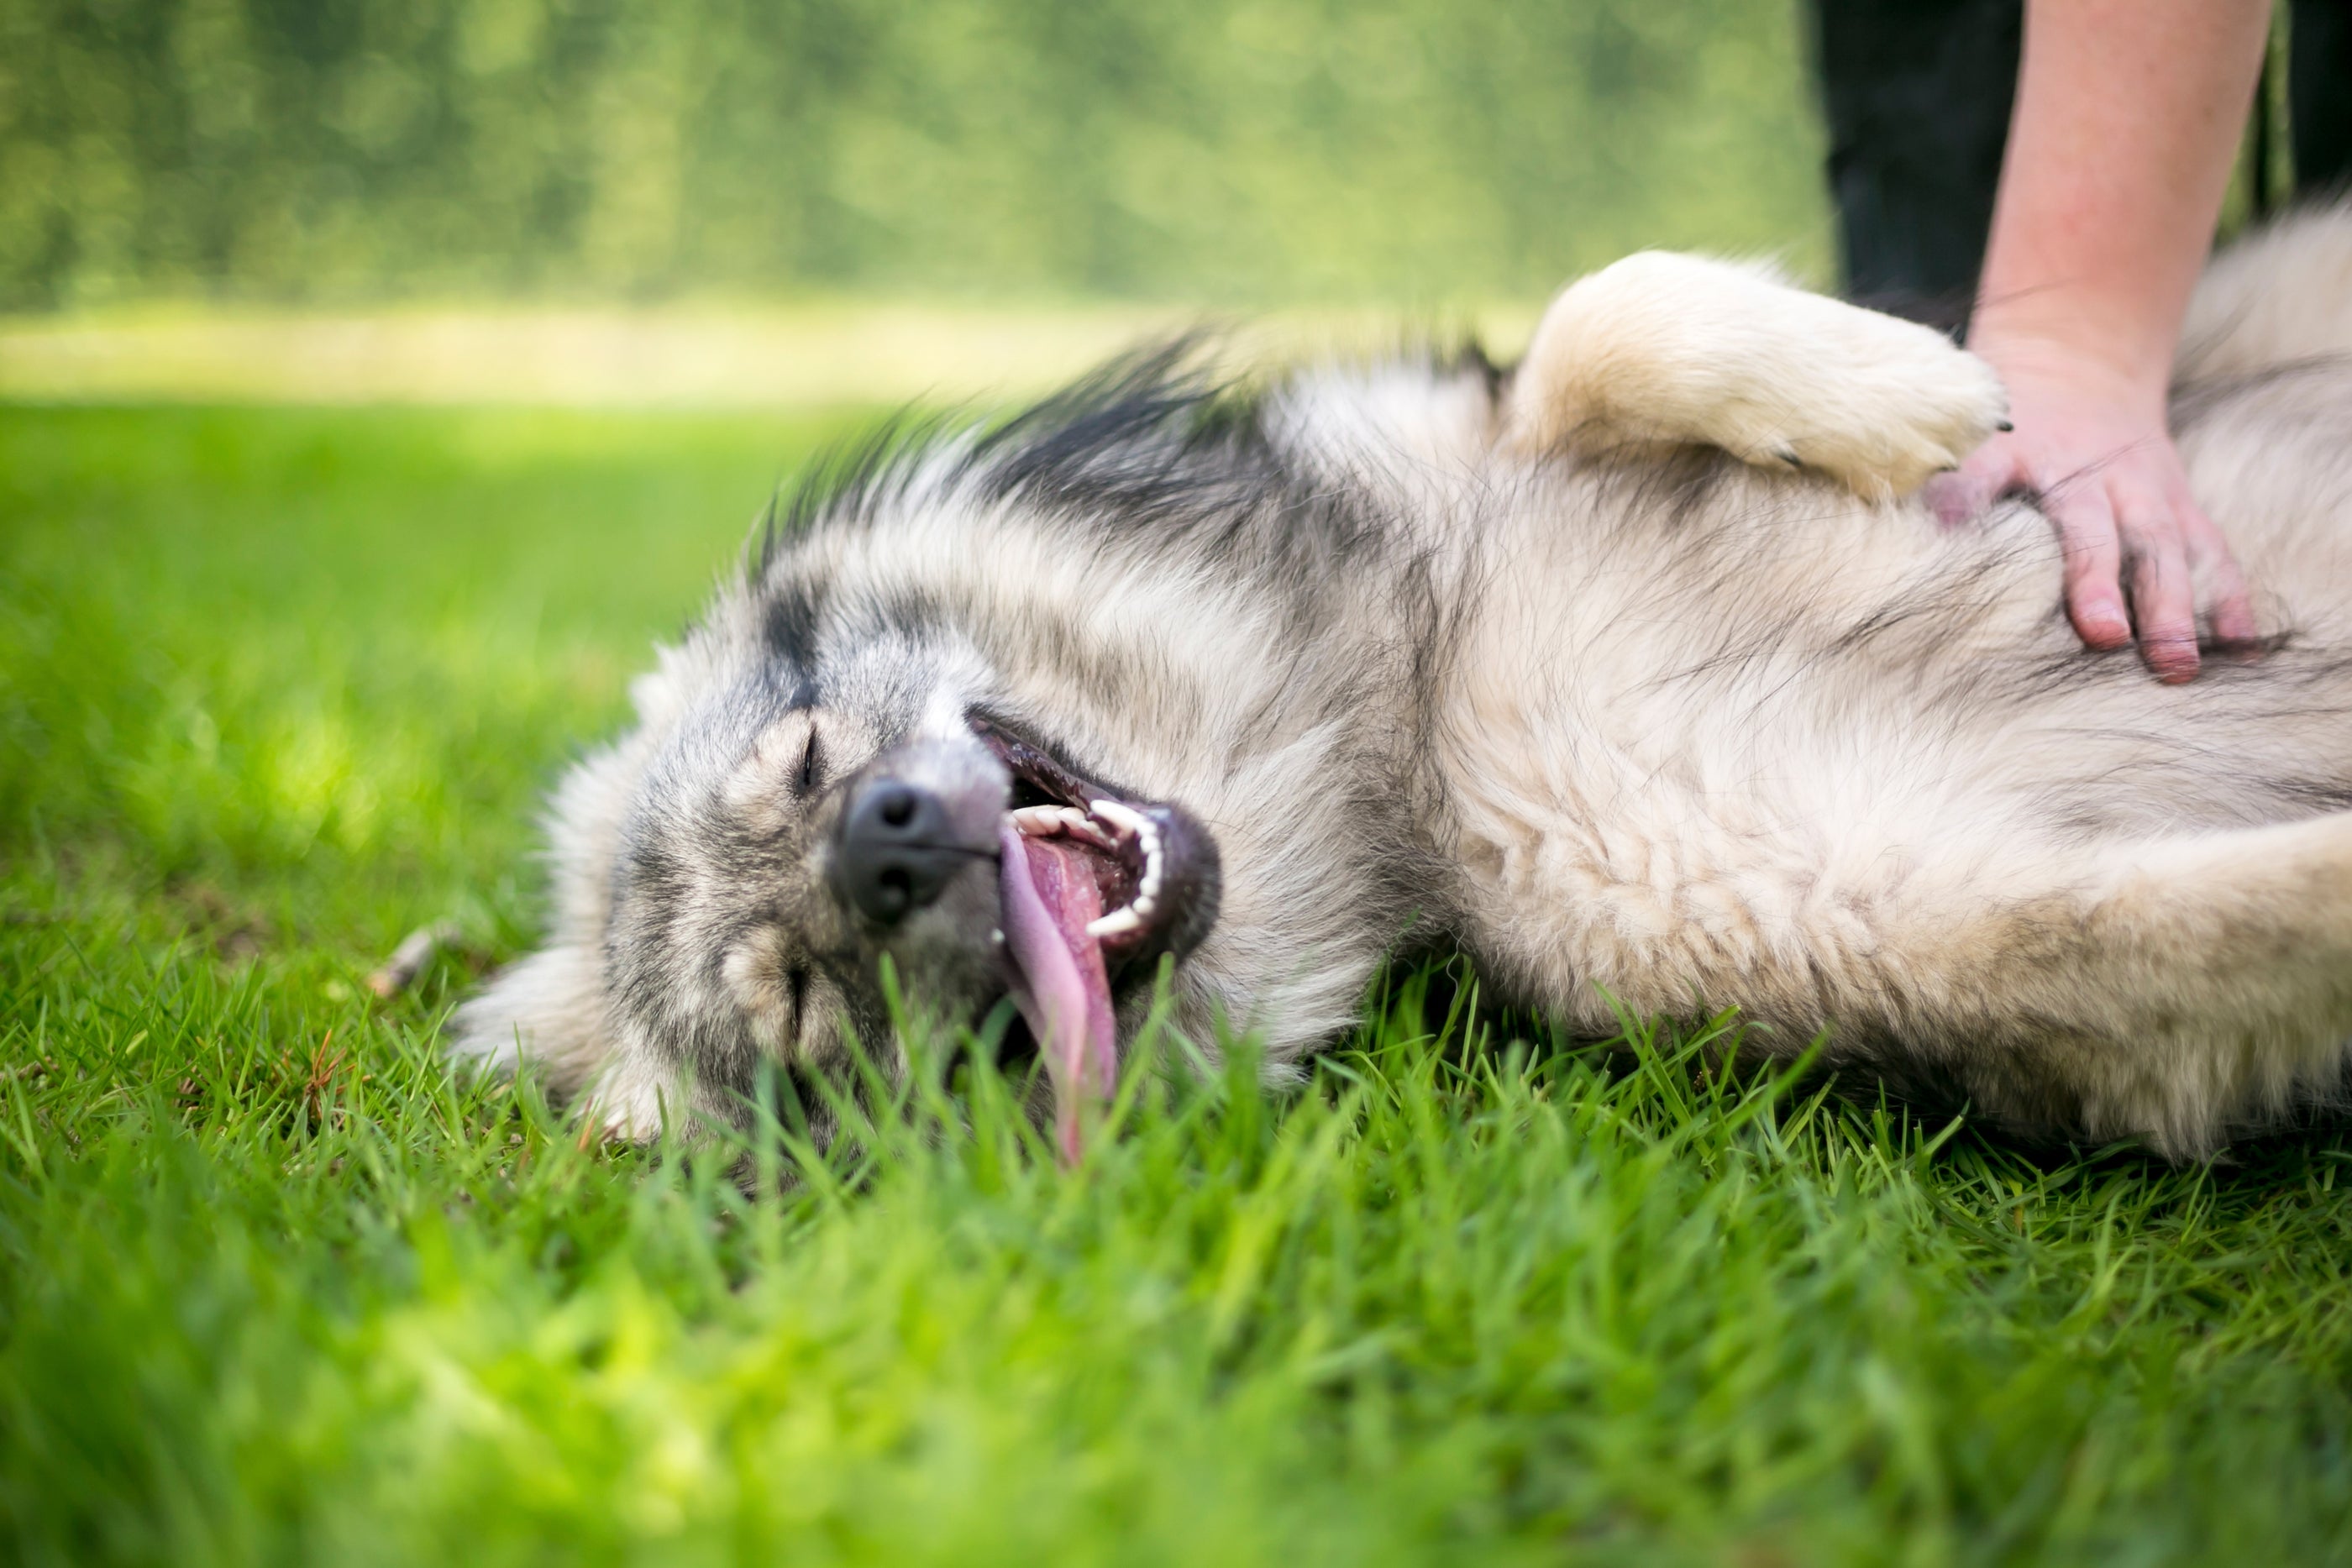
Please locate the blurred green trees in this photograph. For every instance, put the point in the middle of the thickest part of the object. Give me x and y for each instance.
(1238, 149)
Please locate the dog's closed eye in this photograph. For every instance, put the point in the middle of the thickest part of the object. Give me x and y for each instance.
(797, 985)
(811, 771)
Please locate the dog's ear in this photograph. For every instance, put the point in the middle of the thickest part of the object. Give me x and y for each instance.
(1663, 350)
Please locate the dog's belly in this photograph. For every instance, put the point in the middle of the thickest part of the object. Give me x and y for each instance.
(1687, 773)
(1702, 765)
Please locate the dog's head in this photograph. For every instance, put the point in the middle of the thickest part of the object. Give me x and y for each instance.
(769, 866)
(822, 786)
(972, 715)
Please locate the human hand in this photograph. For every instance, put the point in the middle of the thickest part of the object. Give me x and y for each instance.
(2140, 553)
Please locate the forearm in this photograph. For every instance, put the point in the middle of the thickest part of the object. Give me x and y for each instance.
(2129, 113)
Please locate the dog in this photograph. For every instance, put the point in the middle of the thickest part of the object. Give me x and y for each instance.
(1638, 672)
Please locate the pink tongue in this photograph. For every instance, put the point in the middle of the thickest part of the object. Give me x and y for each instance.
(1049, 896)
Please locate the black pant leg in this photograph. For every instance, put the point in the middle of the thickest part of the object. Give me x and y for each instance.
(2319, 92)
(1918, 95)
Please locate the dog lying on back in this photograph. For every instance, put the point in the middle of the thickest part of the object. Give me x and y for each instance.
(1630, 671)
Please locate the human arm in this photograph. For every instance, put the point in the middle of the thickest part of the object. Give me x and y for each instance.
(2128, 119)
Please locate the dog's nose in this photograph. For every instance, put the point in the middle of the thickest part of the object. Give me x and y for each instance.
(899, 848)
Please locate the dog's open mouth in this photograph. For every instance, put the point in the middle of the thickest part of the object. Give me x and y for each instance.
(1093, 886)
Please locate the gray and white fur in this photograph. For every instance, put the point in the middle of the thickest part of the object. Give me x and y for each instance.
(1632, 672)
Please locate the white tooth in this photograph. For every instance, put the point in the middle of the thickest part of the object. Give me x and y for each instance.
(1118, 923)
(1125, 819)
(997, 937)
(1150, 886)
(1142, 904)
(1038, 821)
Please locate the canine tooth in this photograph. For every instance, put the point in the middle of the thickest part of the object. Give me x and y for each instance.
(1141, 907)
(1118, 923)
(1079, 825)
(1124, 818)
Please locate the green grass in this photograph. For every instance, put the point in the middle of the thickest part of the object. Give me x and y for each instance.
(277, 686)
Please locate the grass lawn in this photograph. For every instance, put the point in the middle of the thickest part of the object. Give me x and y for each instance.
(277, 687)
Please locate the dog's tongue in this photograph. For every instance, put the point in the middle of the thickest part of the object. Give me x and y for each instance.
(1049, 894)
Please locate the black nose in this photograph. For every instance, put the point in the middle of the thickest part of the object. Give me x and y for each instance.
(898, 850)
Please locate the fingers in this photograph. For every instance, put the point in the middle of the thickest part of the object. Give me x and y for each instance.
(2140, 553)
(2164, 604)
(2094, 554)
(2156, 561)
(2231, 615)
(2233, 607)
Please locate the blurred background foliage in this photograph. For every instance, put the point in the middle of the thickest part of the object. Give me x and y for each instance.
(1248, 151)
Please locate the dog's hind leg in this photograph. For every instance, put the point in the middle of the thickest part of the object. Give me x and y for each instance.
(2175, 990)
(1666, 350)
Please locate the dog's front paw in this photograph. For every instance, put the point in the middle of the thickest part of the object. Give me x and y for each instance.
(1676, 350)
